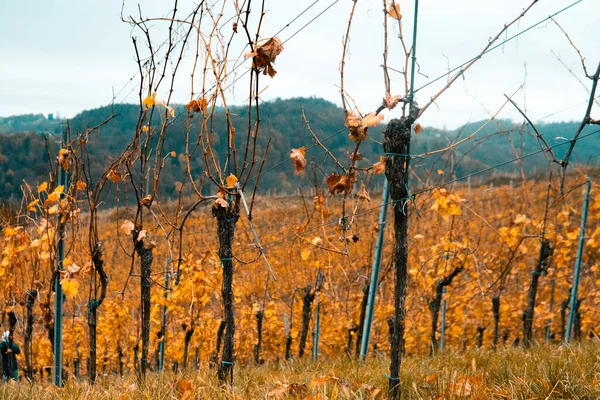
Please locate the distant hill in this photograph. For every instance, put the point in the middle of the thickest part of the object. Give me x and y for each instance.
(23, 139)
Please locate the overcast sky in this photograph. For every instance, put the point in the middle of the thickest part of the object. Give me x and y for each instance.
(65, 56)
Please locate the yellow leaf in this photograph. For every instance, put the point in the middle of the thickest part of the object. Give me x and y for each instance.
(59, 189)
(440, 172)
(69, 287)
(149, 101)
(230, 181)
(304, 254)
(418, 129)
(32, 204)
(42, 187)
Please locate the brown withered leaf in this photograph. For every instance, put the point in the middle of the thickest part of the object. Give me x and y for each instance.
(418, 128)
(265, 54)
(371, 119)
(341, 184)
(332, 182)
(192, 106)
(353, 123)
(379, 166)
(221, 200)
(147, 201)
(64, 158)
(363, 193)
(297, 155)
(390, 102)
(114, 176)
(127, 226)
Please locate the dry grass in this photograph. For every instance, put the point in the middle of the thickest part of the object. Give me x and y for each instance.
(544, 372)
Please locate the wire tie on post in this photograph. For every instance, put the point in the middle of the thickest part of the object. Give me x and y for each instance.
(146, 285)
(391, 378)
(226, 363)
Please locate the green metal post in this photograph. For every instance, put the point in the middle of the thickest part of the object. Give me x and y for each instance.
(366, 336)
(364, 345)
(62, 179)
(573, 300)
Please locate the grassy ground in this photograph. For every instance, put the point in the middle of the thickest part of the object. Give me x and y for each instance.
(540, 373)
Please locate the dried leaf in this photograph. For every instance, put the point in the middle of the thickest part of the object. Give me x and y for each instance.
(394, 10)
(80, 185)
(379, 166)
(390, 102)
(363, 193)
(147, 201)
(265, 54)
(200, 105)
(371, 119)
(353, 123)
(114, 176)
(64, 158)
(230, 181)
(418, 128)
(141, 235)
(341, 184)
(221, 200)
(297, 155)
(127, 226)
(42, 187)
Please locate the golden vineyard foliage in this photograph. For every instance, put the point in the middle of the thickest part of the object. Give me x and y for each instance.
(494, 233)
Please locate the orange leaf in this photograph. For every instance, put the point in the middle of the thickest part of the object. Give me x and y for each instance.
(418, 129)
(379, 166)
(230, 181)
(394, 11)
(298, 156)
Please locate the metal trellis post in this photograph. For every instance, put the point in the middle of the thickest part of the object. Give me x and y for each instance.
(364, 345)
(573, 300)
